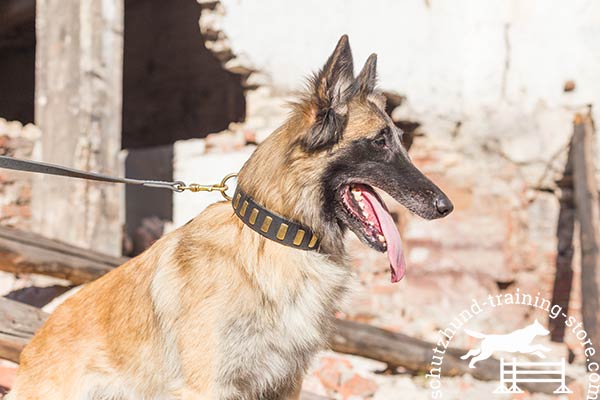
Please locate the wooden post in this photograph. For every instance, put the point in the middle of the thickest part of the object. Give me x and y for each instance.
(588, 215)
(78, 96)
(565, 229)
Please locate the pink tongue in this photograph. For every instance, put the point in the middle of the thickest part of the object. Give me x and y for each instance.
(392, 237)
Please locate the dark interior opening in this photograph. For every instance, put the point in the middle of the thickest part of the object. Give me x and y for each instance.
(173, 89)
(17, 61)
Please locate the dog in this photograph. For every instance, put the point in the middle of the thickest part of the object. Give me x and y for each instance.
(227, 306)
(518, 341)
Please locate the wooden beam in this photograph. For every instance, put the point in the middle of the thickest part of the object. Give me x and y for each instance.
(24, 252)
(394, 349)
(563, 279)
(78, 95)
(14, 13)
(399, 350)
(588, 215)
(18, 324)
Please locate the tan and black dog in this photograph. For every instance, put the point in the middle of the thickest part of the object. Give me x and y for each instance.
(234, 304)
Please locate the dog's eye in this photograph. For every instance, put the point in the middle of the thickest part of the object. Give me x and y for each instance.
(380, 139)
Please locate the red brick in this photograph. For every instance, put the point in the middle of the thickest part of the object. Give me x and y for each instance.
(330, 377)
(25, 193)
(358, 386)
(13, 210)
(7, 376)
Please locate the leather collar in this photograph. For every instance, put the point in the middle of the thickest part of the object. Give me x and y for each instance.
(273, 226)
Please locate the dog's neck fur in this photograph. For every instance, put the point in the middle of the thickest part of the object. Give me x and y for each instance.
(281, 292)
(279, 181)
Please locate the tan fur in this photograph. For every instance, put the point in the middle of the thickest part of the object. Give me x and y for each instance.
(160, 317)
(212, 310)
(293, 184)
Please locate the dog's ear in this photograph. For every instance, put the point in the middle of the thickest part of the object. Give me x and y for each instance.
(331, 90)
(367, 79)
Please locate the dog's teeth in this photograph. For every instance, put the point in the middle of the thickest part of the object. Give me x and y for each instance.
(357, 195)
(381, 238)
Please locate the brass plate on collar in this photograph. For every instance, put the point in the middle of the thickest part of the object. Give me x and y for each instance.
(244, 208)
(266, 224)
(282, 231)
(253, 216)
(299, 237)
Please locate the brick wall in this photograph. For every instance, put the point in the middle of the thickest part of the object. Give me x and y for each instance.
(18, 141)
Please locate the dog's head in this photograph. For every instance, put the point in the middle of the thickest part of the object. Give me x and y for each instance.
(338, 145)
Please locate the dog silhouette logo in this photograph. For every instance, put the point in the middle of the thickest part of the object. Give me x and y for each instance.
(513, 372)
(523, 359)
(518, 341)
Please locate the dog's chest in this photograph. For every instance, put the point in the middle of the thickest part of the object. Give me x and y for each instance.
(268, 350)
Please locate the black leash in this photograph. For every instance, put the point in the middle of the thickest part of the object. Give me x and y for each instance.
(268, 224)
(52, 169)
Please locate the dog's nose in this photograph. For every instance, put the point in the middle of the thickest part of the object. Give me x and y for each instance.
(444, 206)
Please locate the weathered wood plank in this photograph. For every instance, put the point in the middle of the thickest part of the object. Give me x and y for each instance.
(24, 252)
(394, 349)
(399, 350)
(18, 324)
(78, 96)
(588, 215)
(561, 293)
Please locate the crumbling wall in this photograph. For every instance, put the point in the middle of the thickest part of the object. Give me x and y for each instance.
(18, 141)
(491, 120)
(490, 90)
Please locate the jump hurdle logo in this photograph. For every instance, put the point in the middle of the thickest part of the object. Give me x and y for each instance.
(513, 372)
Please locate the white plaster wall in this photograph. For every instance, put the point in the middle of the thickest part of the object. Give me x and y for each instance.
(498, 67)
(194, 165)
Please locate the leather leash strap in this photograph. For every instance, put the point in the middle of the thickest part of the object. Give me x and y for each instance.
(269, 224)
(52, 169)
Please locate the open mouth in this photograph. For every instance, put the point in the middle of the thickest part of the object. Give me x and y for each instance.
(372, 222)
